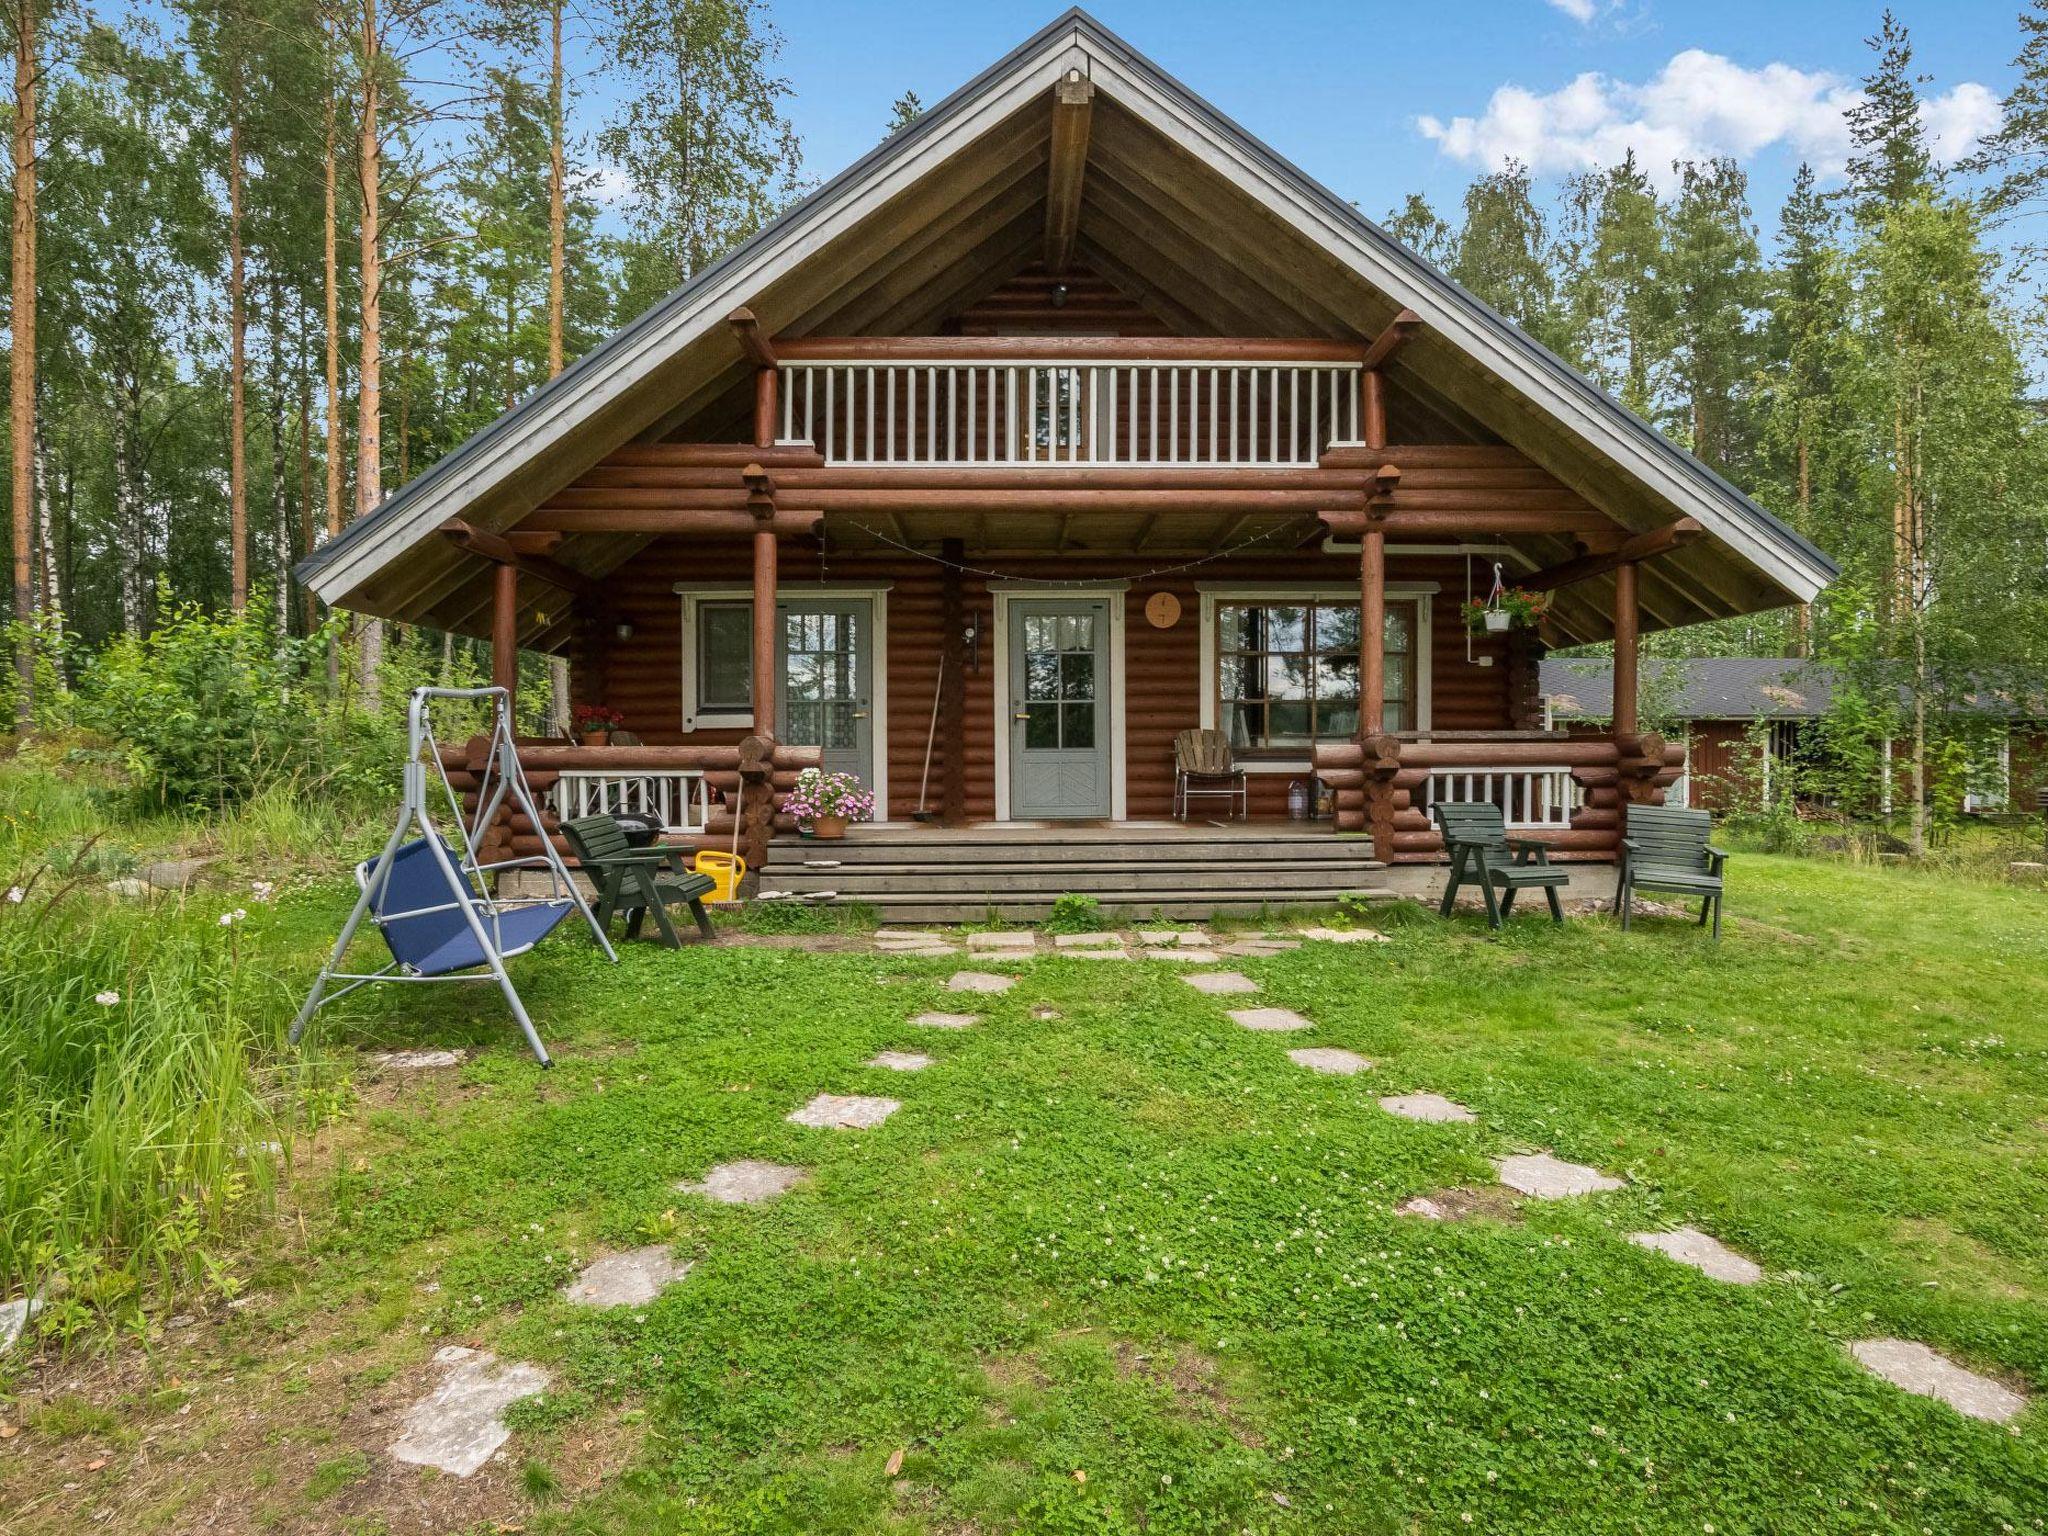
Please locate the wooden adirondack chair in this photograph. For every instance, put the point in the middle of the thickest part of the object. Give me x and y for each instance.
(637, 881)
(1667, 849)
(1482, 854)
(1205, 756)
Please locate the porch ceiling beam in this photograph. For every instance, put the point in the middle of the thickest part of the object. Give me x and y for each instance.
(1073, 101)
(1642, 546)
(1391, 340)
(760, 351)
(501, 551)
(669, 520)
(1461, 524)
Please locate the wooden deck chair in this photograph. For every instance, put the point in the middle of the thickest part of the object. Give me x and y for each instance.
(1482, 854)
(1204, 758)
(1668, 849)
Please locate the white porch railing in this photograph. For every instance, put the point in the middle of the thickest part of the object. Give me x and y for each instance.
(1170, 414)
(1530, 799)
(677, 799)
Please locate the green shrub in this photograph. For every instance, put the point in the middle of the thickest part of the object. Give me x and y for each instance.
(1074, 913)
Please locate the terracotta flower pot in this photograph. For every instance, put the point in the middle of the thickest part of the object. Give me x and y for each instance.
(828, 826)
(597, 738)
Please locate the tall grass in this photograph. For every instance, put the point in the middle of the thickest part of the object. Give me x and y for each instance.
(142, 1092)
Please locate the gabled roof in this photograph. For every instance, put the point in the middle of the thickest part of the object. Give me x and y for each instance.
(1290, 251)
(1731, 688)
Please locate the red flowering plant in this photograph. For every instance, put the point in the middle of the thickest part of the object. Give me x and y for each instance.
(1513, 608)
(589, 718)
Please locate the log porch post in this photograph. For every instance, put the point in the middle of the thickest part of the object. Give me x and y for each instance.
(1372, 631)
(764, 623)
(1381, 754)
(505, 628)
(1627, 629)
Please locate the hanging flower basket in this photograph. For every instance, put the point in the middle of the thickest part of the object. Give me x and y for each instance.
(823, 803)
(1508, 608)
(595, 723)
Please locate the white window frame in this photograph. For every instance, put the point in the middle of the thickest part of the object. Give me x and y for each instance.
(1420, 593)
(693, 599)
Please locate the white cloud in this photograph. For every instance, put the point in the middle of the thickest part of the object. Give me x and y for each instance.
(1579, 10)
(1698, 105)
(609, 184)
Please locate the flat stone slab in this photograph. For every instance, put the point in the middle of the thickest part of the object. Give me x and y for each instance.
(1158, 938)
(908, 936)
(459, 1426)
(174, 874)
(1330, 1060)
(947, 1020)
(15, 1316)
(920, 951)
(979, 981)
(746, 1182)
(1087, 941)
(1548, 1178)
(417, 1061)
(1181, 955)
(1915, 1368)
(1269, 1020)
(1003, 941)
(1096, 954)
(844, 1112)
(1424, 1207)
(1346, 935)
(1433, 1107)
(1253, 947)
(630, 1279)
(900, 1061)
(1710, 1256)
(1216, 983)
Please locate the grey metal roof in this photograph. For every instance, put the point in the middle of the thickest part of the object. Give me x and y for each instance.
(1722, 688)
(496, 455)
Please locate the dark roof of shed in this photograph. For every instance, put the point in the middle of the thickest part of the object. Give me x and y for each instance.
(1724, 688)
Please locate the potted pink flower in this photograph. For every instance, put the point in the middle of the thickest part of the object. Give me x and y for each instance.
(823, 803)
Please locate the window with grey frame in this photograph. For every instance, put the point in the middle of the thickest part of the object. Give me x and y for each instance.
(725, 657)
(1287, 671)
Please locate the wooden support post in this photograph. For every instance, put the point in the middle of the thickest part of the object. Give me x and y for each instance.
(1372, 409)
(505, 629)
(1626, 634)
(953, 686)
(1372, 633)
(765, 649)
(765, 406)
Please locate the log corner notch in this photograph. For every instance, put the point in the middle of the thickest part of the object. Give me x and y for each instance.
(1073, 104)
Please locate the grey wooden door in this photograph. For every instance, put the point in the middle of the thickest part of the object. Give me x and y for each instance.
(1059, 707)
(827, 688)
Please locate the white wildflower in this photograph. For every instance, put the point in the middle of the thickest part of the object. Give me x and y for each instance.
(107, 999)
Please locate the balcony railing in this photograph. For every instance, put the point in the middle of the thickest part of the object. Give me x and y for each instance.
(677, 799)
(1530, 799)
(1108, 412)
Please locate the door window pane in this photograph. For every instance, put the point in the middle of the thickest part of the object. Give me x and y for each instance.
(1077, 726)
(725, 658)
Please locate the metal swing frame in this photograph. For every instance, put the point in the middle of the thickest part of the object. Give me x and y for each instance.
(483, 913)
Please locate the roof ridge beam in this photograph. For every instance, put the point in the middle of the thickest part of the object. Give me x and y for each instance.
(1073, 102)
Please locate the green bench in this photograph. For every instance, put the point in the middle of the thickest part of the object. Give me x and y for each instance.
(1482, 854)
(637, 881)
(1667, 849)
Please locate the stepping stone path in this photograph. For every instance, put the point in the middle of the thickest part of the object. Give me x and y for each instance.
(630, 1279)
(844, 1112)
(460, 1425)
(1544, 1177)
(1042, 1013)
(1432, 1107)
(1269, 1020)
(947, 1020)
(746, 1182)
(1916, 1368)
(417, 1061)
(1086, 941)
(1096, 954)
(901, 1061)
(1346, 935)
(1330, 1061)
(1180, 955)
(1256, 947)
(1712, 1258)
(1160, 938)
(1215, 983)
(1009, 942)
(15, 1316)
(979, 981)
(1423, 1206)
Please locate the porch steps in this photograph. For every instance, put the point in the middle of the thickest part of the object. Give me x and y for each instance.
(932, 875)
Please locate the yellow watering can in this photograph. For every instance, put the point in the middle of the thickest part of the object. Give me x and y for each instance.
(728, 869)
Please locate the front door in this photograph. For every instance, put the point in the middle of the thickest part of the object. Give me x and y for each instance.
(828, 682)
(1059, 708)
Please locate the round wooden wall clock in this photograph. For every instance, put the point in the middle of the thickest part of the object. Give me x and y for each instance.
(1162, 610)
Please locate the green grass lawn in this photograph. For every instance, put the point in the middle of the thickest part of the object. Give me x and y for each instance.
(1130, 1269)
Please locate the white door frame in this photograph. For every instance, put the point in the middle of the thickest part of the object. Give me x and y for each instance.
(878, 708)
(1004, 592)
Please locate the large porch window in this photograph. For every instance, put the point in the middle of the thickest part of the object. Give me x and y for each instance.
(1285, 670)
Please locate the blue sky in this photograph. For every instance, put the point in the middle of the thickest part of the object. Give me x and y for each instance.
(1380, 99)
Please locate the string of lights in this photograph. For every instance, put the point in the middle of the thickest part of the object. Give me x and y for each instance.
(1078, 583)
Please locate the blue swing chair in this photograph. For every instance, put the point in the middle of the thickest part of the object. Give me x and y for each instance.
(427, 898)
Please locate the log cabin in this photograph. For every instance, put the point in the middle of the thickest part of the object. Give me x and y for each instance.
(1069, 418)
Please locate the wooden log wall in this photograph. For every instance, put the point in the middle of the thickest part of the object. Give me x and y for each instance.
(642, 677)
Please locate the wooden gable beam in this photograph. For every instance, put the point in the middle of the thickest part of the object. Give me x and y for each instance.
(1629, 551)
(1391, 340)
(1073, 101)
(760, 351)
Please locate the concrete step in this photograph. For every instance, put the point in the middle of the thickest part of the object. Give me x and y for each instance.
(913, 908)
(910, 850)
